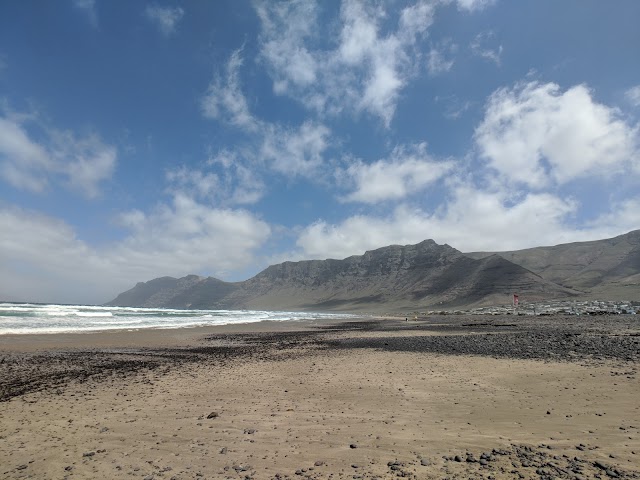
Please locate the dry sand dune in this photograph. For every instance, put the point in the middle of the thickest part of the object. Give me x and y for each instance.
(371, 399)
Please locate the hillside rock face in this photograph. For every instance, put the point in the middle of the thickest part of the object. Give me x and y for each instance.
(608, 268)
(389, 278)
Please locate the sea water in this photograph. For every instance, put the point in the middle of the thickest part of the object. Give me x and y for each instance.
(25, 318)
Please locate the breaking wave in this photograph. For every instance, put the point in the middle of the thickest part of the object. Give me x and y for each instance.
(29, 318)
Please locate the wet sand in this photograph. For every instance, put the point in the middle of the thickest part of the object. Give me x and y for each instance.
(442, 397)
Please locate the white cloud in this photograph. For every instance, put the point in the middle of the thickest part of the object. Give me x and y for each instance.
(623, 216)
(202, 184)
(89, 7)
(242, 183)
(365, 71)
(437, 60)
(25, 163)
(86, 162)
(233, 182)
(472, 5)
(224, 98)
(190, 236)
(536, 134)
(286, 26)
(295, 151)
(484, 45)
(633, 95)
(408, 170)
(291, 151)
(83, 163)
(473, 220)
(165, 18)
(46, 261)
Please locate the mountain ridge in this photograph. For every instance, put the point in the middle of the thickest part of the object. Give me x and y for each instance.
(608, 267)
(394, 277)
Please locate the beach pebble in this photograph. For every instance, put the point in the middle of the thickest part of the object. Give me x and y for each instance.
(353, 445)
(318, 463)
(424, 462)
(88, 454)
(457, 458)
(213, 415)
(249, 431)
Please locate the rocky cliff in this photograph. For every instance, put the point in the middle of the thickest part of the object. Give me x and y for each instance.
(390, 278)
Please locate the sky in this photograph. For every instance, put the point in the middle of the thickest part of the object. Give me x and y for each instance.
(142, 139)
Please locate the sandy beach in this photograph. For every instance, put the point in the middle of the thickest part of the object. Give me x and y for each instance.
(440, 397)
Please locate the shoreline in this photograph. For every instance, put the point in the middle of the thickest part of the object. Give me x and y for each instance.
(455, 397)
(154, 336)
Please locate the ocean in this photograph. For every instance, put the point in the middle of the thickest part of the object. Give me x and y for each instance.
(29, 318)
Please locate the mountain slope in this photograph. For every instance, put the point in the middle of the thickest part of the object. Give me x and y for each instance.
(394, 277)
(610, 267)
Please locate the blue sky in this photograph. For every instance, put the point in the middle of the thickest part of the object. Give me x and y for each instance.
(146, 139)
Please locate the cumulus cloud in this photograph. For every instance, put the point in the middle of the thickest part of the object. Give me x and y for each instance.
(473, 220)
(224, 98)
(46, 261)
(25, 163)
(191, 236)
(242, 184)
(291, 151)
(365, 71)
(536, 134)
(295, 151)
(82, 163)
(286, 26)
(633, 95)
(408, 170)
(203, 184)
(166, 19)
(232, 183)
